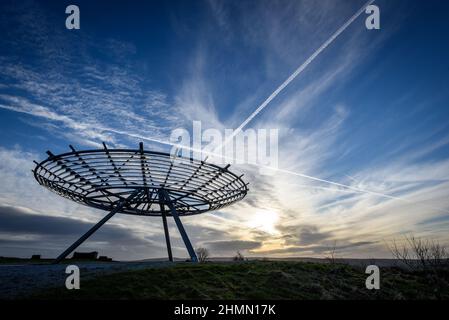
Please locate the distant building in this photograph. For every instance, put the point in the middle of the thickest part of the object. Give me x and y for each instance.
(36, 257)
(85, 255)
(104, 258)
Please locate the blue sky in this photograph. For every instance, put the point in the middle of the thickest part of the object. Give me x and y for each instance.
(370, 112)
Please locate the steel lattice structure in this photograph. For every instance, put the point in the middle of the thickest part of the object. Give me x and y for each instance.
(139, 182)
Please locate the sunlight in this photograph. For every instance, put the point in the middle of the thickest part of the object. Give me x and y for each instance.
(265, 221)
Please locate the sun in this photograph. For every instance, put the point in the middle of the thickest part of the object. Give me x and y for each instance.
(265, 221)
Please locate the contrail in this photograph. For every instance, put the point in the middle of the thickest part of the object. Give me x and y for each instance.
(348, 187)
(138, 136)
(297, 72)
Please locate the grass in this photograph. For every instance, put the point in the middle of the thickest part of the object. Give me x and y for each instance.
(256, 280)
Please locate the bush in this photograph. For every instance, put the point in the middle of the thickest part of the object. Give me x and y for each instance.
(331, 253)
(202, 254)
(420, 254)
(239, 256)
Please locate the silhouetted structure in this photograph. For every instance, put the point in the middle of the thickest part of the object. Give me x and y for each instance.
(104, 258)
(36, 257)
(85, 255)
(140, 182)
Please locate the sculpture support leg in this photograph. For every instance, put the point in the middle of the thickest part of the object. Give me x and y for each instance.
(166, 198)
(76, 244)
(167, 235)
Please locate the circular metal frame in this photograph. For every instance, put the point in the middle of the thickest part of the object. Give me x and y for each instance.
(101, 178)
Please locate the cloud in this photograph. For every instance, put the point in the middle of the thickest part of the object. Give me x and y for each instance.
(84, 86)
(317, 250)
(228, 246)
(305, 235)
(30, 231)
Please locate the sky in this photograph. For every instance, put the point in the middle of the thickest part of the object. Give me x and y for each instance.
(370, 115)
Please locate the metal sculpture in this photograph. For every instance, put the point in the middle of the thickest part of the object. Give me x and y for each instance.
(139, 182)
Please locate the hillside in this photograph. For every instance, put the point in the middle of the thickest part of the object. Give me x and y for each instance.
(257, 280)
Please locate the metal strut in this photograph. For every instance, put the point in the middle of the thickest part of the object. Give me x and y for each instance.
(75, 245)
(164, 221)
(165, 198)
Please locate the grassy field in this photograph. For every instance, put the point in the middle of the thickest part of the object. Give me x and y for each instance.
(257, 280)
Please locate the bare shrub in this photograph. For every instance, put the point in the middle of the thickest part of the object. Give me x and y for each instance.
(239, 256)
(420, 254)
(202, 254)
(331, 253)
(423, 255)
